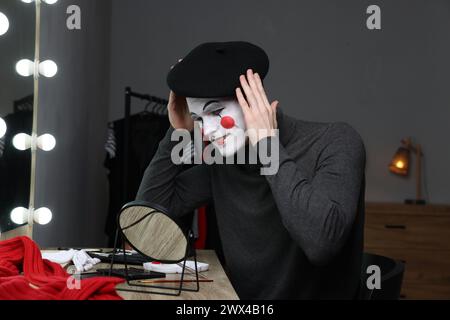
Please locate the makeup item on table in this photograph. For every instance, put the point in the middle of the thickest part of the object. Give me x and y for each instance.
(85, 249)
(132, 257)
(133, 273)
(174, 281)
(175, 267)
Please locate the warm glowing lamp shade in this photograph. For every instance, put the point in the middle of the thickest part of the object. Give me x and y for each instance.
(400, 162)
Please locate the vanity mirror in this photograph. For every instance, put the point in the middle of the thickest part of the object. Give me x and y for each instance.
(17, 41)
(21, 67)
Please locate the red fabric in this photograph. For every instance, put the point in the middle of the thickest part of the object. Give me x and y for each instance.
(200, 243)
(24, 275)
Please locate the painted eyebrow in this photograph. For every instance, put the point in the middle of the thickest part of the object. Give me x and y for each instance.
(193, 114)
(209, 103)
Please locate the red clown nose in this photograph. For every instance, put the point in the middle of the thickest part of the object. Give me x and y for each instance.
(227, 122)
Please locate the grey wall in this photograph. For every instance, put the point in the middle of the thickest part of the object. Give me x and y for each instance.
(74, 108)
(16, 44)
(325, 66)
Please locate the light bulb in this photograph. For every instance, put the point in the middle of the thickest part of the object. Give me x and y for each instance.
(22, 141)
(19, 215)
(42, 215)
(46, 142)
(27, 1)
(48, 68)
(4, 24)
(2, 128)
(25, 67)
(399, 164)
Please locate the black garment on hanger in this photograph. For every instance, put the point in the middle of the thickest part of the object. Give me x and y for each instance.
(146, 131)
(15, 169)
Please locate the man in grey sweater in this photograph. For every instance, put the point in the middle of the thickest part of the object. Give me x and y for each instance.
(294, 234)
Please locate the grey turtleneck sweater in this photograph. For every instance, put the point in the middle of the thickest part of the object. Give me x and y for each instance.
(297, 234)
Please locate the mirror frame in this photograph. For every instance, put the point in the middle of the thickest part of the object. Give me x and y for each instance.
(158, 208)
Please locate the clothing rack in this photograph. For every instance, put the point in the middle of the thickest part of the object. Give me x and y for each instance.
(24, 104)
(145, 97)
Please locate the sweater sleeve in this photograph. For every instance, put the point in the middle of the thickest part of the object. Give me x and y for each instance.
(167, 184)
(319, 212)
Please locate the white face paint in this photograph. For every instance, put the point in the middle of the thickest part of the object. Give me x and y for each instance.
(210, 112)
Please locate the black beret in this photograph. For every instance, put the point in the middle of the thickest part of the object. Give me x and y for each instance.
(212, 69)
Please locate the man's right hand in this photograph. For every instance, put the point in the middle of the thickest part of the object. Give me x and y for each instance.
(179, 115)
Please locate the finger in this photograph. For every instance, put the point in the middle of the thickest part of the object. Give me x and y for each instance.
(264, 108)
(261, 88)
(243, 103)
(274, 107)
(248, 94)
(255, 90)
(263, 96)
(263, 111)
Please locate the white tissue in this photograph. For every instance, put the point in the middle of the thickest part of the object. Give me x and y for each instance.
(81, 260)
(61, 257)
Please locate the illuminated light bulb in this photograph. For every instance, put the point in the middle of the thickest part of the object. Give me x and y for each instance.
(2, 128)
(400, 164)
(25, 67)
(27, 1)
(22, 141)
(20, 215)
(46, 142)
(4, 24)
(48, 68)
(42, 216)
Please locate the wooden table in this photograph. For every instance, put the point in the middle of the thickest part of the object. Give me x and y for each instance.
(219, 289)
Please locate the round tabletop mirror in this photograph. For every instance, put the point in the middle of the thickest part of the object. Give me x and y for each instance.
(150, 231)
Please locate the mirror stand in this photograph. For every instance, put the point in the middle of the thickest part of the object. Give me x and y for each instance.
(163, 290)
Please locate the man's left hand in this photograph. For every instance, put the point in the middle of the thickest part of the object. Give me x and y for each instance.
(260, 115)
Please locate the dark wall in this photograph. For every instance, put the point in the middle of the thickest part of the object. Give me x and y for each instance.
(325, 66)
